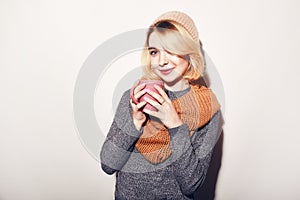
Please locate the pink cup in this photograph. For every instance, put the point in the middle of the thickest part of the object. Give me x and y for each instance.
(150, 86)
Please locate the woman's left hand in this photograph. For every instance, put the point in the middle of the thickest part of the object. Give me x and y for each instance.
(166, 111)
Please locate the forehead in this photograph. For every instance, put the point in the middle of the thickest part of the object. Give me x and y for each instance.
(154, 41)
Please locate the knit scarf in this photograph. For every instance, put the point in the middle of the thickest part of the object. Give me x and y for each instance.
(195, 108)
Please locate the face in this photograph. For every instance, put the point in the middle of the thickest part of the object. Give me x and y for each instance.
(169, 67)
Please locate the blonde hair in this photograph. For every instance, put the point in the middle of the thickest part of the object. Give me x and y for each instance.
(176, 40)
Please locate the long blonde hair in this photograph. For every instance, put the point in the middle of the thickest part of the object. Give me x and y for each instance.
(176, 40)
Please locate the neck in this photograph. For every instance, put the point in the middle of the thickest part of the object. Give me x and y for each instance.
(178, 86)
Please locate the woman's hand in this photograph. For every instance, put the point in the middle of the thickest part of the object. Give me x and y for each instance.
(138, 116)
(166, 111)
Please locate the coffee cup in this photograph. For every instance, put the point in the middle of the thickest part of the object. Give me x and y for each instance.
(149, 85)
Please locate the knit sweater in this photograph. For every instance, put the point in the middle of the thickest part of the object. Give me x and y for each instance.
(175, 178)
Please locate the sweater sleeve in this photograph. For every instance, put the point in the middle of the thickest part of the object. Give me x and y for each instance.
(192, 155)
(120, 139)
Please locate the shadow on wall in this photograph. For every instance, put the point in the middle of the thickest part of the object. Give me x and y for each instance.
(207, 190)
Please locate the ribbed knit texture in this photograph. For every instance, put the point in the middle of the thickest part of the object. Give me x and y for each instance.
(195, 109)
(181, 18)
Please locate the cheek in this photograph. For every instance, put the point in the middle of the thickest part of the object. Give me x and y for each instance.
(185, 63)
(153, 61)
(182, 63)
(182, 67)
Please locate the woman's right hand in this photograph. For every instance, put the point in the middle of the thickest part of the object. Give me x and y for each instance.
(138, 116)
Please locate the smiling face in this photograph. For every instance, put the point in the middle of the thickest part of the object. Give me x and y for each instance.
(172, 55)
(166, 65)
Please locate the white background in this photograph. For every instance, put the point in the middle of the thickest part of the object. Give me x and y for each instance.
(254, 44)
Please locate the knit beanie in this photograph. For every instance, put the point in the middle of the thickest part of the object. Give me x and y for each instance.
(182, 19)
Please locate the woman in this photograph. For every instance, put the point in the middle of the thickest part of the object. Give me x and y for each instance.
(164, 153)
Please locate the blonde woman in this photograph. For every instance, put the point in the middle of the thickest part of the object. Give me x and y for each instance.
(164, 153)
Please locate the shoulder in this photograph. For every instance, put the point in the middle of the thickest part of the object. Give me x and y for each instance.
(125, 96)
(122, 97)
(124, 101)
(204, 93)
(201, 89)
(206, 96)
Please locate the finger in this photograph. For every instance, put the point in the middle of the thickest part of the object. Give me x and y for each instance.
(162, 93)
(153, 103)
(139, 87)
(138, 91)
(133, 105)
(141, 104)
(137, 107)
(152, 113)
(155, 95)
(134, 100)
(131, 102)
(139, 94)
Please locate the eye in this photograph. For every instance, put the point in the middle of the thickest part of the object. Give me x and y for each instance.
(153, 52)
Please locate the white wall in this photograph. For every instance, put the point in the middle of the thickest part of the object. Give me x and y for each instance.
(254, 44)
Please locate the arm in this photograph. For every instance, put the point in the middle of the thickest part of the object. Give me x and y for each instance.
(120, 139)
(192, 158)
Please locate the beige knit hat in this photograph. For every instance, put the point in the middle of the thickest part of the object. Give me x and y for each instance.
(182, 19)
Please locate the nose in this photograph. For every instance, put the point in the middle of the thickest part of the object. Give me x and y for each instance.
(163, 59)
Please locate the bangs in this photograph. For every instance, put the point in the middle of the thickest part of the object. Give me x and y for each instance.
(176, 43)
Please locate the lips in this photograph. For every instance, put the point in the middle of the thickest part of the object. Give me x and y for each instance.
(166, 71)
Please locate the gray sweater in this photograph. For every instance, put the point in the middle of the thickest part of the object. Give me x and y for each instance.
(175, 178)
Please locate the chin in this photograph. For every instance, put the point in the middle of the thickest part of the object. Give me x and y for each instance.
(171, 80)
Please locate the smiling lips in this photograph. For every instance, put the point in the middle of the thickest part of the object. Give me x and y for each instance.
(166, 71)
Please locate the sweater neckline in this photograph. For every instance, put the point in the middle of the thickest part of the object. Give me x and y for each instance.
(176, 94)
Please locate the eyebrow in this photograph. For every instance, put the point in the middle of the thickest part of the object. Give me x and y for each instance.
(151, 48)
